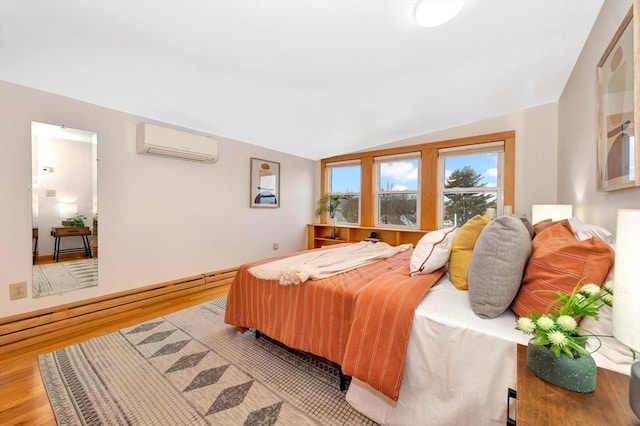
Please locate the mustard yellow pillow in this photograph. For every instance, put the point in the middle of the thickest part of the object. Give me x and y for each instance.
(463, 249)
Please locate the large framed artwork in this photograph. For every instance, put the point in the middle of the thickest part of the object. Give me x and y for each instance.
(265, 183)
(618, 107)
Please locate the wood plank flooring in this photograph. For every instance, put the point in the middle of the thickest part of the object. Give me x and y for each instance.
(23, 398)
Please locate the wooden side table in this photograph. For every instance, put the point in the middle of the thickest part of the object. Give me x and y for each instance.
(541, 403)
(71, 231)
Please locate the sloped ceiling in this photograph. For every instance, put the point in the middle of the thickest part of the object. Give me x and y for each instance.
(311, 78)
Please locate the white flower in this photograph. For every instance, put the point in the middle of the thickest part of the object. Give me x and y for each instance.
(526, 325)
(608, 287)
(545, 322)
(579, 297)
(567, 323)
(590, 290)
(607, 299)
(557, 338)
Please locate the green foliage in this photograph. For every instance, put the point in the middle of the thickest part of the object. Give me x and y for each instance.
(557, 327)
(331, 202)
(464, 206)
(77, 220)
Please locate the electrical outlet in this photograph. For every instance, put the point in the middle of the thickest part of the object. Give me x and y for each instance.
(276, 246)
(18, 290)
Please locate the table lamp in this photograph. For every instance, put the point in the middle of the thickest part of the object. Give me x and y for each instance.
(626, 305)
(550, 211)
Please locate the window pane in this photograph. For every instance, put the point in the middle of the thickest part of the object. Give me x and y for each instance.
(397, 209)
(344, 179)
(349, 211)
(399, 175)
(459, 207)
(469, 171)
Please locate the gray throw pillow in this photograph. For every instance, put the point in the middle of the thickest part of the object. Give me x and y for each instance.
(497, 265)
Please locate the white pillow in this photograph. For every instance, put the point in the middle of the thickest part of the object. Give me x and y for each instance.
(584, 231)
(608, 346)
(432, 251)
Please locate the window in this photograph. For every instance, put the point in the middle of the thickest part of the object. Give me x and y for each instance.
(419, 202)
(397, 189)
(344, 178)
(471, 181)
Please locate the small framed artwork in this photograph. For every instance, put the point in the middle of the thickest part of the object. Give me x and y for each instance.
(265, 183)
(618, 107)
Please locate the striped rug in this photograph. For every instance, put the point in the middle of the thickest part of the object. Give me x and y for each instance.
(189, 367)
(56, 278)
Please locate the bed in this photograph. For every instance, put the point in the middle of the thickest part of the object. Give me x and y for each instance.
(335, 317)
(461, 380)
(457, 367)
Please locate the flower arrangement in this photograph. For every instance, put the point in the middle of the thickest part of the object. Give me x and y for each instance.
(558, 330)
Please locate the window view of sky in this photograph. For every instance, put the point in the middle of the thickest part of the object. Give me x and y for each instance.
(403, 174)
(484, 164)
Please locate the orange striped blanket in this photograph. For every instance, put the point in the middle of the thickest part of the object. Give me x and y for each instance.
(379, 336)
(320, 316)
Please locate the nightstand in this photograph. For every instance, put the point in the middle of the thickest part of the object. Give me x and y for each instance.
(541, 403)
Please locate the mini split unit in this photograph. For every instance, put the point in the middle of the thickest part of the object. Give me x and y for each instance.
(165, 142)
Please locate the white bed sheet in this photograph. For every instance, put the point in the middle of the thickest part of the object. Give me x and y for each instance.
(458, 368)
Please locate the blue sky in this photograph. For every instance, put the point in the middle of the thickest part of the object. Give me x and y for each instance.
(403, 174)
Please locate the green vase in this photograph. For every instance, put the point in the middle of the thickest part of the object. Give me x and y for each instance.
(576, 374)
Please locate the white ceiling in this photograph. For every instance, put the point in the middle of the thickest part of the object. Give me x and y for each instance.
(312, 78)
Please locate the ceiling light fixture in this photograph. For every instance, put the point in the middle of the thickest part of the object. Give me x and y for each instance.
(431, 13)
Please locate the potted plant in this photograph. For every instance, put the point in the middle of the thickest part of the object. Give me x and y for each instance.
(77, 220)
(557, 353)
(330, 202)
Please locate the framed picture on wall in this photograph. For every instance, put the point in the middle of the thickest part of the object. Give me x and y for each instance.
(618, 107)
(265, 183)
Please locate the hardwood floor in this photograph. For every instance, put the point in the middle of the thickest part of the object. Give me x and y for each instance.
(23, 398)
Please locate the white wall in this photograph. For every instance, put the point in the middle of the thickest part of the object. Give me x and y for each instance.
(160, 219)
(536, 147)
(577, 129)
(71, 179)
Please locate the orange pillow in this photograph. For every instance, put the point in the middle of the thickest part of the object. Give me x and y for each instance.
(558, 262)
(538, 227)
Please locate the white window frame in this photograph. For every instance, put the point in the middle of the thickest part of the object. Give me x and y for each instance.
(377, 161)
(493, 147)
(328, 173)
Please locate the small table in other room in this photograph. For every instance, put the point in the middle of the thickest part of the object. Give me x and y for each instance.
(34, 236)
(71, 231)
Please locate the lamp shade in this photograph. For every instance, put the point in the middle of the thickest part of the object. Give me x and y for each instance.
(626, 304)
(550, 211)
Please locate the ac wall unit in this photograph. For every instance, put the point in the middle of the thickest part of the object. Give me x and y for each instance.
(165, 142)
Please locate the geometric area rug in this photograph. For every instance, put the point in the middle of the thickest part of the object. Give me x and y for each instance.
(57, 278)
(189, 367)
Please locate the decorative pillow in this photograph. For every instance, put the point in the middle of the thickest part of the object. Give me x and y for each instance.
(528, 225)
(558, 263)
(497, 263)
(462, 249)
(584, 231)
(538, 227)
(432, 251)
